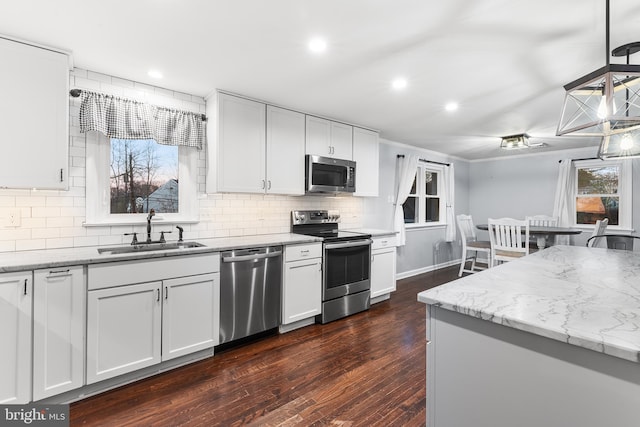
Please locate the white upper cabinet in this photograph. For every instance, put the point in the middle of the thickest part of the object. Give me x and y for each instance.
(328, 138)
(260, 148)
(34, 107)
(365, 154)
(241, 145)
(285, 151)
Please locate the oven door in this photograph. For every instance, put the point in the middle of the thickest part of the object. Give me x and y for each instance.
(347, 266)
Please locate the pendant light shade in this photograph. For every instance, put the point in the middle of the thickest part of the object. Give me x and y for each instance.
(620, 145)
(602, 103)
(606, 103)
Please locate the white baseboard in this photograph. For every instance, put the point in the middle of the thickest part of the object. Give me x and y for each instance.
(426, 269)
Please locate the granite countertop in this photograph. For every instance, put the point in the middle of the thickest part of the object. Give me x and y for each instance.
(588, 297)
(49, 258)
(375, 232)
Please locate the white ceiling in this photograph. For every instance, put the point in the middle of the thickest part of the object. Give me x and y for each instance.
(503, 61)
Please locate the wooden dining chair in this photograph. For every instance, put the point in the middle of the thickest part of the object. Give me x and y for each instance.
(509, 239)
(542, 220)
(471, 246)
(598, 231)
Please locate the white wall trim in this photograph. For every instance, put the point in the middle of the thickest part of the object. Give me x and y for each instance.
(427, 269)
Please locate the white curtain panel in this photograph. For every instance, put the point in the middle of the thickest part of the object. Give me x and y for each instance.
(562, 205)
(450, 231)
(406, 168)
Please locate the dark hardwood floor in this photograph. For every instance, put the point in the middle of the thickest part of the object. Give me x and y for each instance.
(364, 370)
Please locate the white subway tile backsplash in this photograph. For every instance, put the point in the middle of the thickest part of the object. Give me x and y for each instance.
(31, 244)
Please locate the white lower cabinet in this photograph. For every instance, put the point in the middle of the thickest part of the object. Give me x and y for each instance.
(123, 330)
(133, 326)
(58, 330)
(16, 293)
(383, 266)
(190, 314)
(302, 284)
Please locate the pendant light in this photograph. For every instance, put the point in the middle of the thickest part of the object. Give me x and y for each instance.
(606, 103)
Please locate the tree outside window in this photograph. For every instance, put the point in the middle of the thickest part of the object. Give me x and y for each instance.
(597, 196)
(143, 176)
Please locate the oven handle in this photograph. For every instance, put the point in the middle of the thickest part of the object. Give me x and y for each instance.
(347, 244)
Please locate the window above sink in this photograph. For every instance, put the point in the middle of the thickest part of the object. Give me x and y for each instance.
(105, 171)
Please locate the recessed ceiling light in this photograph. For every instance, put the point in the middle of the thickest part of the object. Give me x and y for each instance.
(451, 106)
(154, 74)
(317, 45)
(399, 83)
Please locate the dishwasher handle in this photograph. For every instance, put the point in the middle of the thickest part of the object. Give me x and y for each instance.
(250, 257)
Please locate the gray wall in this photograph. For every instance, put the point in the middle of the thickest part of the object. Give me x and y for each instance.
(514, 186)
(525, 185)
(425, 247)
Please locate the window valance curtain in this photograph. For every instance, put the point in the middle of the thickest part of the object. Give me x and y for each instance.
(128, 119)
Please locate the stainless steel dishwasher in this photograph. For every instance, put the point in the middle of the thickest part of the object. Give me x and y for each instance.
(250, 291)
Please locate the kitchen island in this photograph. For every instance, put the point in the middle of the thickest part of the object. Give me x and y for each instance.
(552, 339)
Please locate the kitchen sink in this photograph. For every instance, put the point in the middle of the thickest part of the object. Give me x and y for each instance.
(151, 247)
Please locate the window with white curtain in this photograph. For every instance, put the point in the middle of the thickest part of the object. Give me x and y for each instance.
(427, 201)
(603, 190)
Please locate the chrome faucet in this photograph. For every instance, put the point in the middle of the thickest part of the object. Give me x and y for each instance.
(151, 214)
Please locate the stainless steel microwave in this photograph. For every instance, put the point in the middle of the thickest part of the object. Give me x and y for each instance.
(328, 175)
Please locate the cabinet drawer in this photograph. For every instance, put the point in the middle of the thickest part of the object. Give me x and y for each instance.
(383, 242)
(148, 270)
(297, 252)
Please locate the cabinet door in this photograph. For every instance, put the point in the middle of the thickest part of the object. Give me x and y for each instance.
(318, 136)
(285, 151)
(123, 330)
(58, 327)
(383, 271)
(241, 145)
(15, 330)
(190, 314)
(34, 107)
(302, 293)
(365, 154)
(341, 141)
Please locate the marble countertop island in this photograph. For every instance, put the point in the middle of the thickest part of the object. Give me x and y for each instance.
(586, 297)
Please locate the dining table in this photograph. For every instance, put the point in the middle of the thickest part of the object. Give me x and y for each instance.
(542, 233)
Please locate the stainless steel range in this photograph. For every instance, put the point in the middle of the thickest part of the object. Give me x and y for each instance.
(346, 263)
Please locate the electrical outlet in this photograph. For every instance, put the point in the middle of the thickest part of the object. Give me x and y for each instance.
(14, 218)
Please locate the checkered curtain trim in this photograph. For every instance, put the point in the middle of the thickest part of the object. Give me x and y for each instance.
(127, 119)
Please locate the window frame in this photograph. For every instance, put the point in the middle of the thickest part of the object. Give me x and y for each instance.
(422, 197)
(625, 194)
(98, 209)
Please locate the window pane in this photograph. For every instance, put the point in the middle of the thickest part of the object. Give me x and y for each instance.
(591, 209)
(410, 208)
(433, 209)
(431, 181)
(598, 180)
(144, 176)
(413, 186)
